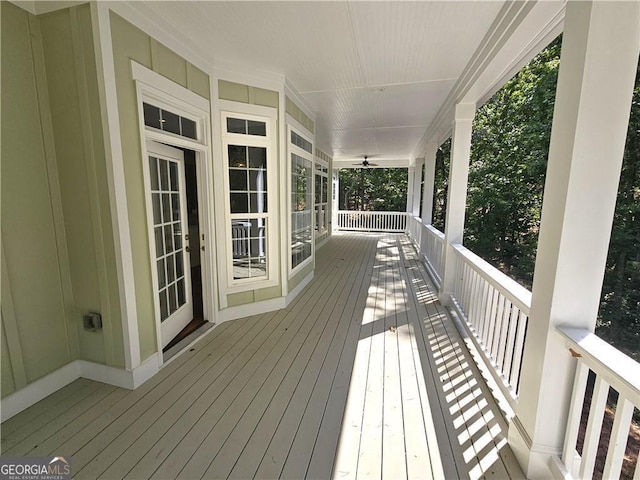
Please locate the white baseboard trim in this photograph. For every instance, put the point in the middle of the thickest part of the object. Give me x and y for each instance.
(241, 311)
(35, 391)
(296, 291)
(43, 387)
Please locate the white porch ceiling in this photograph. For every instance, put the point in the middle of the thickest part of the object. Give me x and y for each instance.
(376, 74)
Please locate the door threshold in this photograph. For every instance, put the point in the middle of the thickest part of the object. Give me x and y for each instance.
(186, 341)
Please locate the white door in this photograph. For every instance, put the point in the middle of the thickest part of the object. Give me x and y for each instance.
(170, 239)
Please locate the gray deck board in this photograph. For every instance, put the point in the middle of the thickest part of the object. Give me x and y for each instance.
(363, 375)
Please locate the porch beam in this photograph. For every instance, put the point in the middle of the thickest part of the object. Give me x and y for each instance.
(598, 65)
(457, 196)
(429, 182)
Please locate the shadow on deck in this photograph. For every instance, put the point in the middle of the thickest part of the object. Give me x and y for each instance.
(363, 375)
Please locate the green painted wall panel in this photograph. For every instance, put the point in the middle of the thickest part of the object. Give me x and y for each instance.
(7, 384)
(168, 63)
(72, 172)
(125, 49)
(267, 98)
(27, 223)
(130, 43)
(242, 298)
(297, 113)
(234, 92)
(114, 350)
(198, 81)
(267, 293)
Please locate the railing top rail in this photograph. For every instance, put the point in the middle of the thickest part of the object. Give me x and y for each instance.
(372, 212)
(518, 295)
(619, 370)
(435, 231)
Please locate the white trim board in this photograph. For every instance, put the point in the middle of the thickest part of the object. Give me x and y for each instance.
(250, 309)
(116, 181)
(45, 386)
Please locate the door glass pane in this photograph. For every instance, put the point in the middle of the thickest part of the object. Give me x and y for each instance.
(162, 279)
(164, 174)
(153, 170)
(164, 308)
(179, 266)
(171, 271)
(166, 207)
(175, 207)
(157, 214)
(181, 292)
(168, 239)
(159, 243)
(173, 300)
(173, 175)
(177, 235)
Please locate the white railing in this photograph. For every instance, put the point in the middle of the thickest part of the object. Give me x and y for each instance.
(433, 250)
(495, 309)
(414, 230)
(393, 222)
(612, 369)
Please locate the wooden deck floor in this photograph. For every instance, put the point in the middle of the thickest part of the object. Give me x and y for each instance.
(363, 375)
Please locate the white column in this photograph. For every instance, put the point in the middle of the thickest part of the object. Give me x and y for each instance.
(417, 187)
(457, 197)
(429, 182)
(599, 58)
(410, 175)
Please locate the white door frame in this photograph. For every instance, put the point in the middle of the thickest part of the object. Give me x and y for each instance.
(158, 90)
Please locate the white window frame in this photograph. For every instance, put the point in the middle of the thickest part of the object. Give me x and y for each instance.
(324, 172)
(268, 116)
(294, 149)
(157, 90)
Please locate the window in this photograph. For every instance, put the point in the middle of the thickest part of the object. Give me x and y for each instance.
(301, 199)
(247, 144)
(167, 121)
(321, 195)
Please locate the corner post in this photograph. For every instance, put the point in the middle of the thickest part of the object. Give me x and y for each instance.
(598, 65)
(457, 197)
(410, 176)
(417, 187)
(429, 182)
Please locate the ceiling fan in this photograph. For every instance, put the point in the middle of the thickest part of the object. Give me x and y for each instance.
(366, 163)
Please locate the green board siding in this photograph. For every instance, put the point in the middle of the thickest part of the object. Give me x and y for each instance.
(8, 384)
(296, 112)
(237, 92)
(130, 43)
(30, 239)
(59, 47)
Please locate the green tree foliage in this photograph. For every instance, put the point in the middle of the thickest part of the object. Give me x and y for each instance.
(511, 135)
(441, 185)
(510, 146)
(377, 189)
